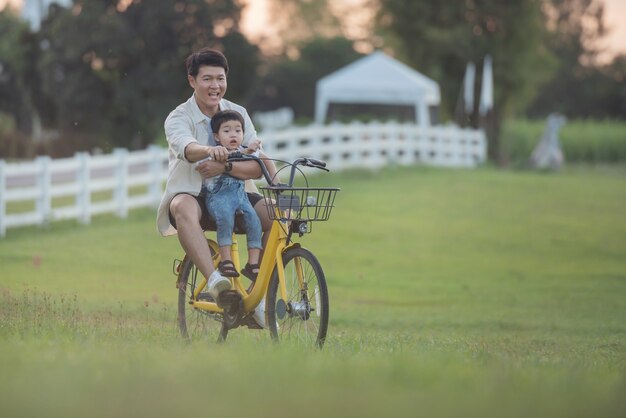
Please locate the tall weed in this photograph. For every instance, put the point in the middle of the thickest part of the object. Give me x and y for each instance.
(582, 141)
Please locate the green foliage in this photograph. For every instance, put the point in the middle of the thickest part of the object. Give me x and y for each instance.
(580, 87)
(440, 38)
(15, 70)
(7, 124)
(584, 141)
(12, 143)
(475, 293)
(299, 22)
(291, 82)
(116, 86)
(12, 32)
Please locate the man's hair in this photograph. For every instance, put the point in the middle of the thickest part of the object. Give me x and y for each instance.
(224, 116)
(205, 56)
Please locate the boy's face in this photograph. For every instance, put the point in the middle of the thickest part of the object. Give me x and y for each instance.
(230, 134)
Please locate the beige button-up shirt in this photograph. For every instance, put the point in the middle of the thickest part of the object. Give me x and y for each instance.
(184, 125)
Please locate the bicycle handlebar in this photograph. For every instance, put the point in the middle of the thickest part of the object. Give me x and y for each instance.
(308, 162)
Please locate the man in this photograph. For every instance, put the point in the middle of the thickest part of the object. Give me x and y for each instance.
(190, 139)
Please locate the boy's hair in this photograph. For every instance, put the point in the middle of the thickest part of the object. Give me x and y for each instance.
(205, 56)
(224, 116)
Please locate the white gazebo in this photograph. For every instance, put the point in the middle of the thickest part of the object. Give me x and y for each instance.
(378, 79)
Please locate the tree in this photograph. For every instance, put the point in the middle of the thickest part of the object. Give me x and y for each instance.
(615, 98)
(580, 86)
(439, 38)
(15, 69)
(291, 82)
(300, 22)
(115, 86)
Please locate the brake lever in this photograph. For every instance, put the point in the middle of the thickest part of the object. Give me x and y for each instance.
(234, 155)
(317, 166)
(317, 163)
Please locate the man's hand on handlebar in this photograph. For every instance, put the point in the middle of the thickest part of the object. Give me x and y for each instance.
(213, 165)
(210, 168)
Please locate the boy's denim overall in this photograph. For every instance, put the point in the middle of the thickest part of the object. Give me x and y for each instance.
(224, 197)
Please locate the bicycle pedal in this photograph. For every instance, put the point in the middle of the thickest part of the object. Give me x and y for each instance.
(251, 323)
(228, 299)
(205, 296)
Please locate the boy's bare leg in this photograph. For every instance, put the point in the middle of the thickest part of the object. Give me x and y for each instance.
(225, 253)
(254, 255)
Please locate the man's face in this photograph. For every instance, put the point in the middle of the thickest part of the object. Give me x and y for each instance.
(209, 87)
(230, 134)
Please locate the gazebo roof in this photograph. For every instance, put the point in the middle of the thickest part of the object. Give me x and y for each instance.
(376, 79)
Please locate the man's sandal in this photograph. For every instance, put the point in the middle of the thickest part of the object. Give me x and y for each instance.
(251, 271)
(227, 269)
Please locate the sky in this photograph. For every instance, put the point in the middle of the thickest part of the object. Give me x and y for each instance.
(257, 22)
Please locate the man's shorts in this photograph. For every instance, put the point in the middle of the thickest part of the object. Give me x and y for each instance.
(208, 223)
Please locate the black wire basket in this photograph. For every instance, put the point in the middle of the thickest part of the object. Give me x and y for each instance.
(300, 203)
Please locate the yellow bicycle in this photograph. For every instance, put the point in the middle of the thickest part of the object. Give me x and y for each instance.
(290, 281)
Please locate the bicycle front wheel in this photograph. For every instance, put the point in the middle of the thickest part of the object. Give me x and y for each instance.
(303, 317)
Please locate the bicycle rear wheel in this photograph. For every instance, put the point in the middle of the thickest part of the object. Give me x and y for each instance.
(195, 324)
(303, 317)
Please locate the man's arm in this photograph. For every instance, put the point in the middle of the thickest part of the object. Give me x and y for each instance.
(243, 170)
(196, 152)
(246, 170)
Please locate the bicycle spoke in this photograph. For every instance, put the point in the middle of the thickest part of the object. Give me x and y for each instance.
(194, 324)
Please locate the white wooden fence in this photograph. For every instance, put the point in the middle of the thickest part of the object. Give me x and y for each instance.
(374, 145)
(46, 190)
(84, 179)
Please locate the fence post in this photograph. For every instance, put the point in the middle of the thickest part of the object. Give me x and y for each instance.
(121, 174)
(83, 198)
(154, 189)
(3, 203)
(378, 144)
(44, 182)
(408, 145)
(394, 145)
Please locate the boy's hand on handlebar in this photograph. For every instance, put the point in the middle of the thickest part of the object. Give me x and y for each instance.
(253, 147)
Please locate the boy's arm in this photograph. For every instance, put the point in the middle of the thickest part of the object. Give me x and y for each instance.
(252, 147)
(270, 166)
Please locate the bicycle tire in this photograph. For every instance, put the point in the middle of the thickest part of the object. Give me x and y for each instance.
(303, 318)
(195, 324)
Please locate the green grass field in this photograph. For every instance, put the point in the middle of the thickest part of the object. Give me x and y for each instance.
(474, 293)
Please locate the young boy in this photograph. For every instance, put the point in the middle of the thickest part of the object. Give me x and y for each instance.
(225, 195)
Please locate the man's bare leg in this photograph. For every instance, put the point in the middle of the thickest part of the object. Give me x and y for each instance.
(187, 214)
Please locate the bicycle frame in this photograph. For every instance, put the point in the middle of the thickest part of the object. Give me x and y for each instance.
(277, 243)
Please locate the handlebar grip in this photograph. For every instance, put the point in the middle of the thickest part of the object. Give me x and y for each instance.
(317, 163)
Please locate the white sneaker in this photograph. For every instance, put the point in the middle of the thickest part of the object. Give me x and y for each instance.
(217, 284)
(259, 313)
